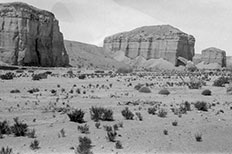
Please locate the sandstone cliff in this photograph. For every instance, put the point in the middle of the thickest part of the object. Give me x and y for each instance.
(30, 37)
(153, 42)
(214, 55)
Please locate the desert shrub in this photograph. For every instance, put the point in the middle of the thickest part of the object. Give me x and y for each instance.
(184, 107)
(76, 116)
(165, 131)
(127, 114)
(202, 106)
(118, 145)
(152, 110)
(162, 113)
(115, 126)
(111, 135)
(164, 92)
(15, 91)
(100, 113)
(34, 145)
(138, 86)
(198, 137)
(206, 92)
(34, 90)
(174, 123)
(62, 133)
(39, 76)
(197, 84)
(83, 129)
(31, 133)
(138, 114)
(7, 76)
(82, 76)
(220, 82)
(6, 150)
(124, 70)
(19, 128)
(4, 127)
(187, 106)
(84, 146)
(97, 125)
(229, 89)
(145, 90)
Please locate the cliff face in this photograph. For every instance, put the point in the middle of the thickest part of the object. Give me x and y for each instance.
(153, 42)
(214, 55)
(30, 37)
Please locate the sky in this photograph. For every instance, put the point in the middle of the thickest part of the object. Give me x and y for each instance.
(90, 21)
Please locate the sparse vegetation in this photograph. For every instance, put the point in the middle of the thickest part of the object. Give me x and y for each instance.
(127, 114)
(19, 128)
(83, 129)
(198, 137)
(31, 133)
(162, 113)
(220, 82)
(97, 125)
(139, 115)
(118, 145)
(201, 105)
(7, 76)
(6, 150)
(76, 116)
(34, 145)
(84, 146)
(100, 113)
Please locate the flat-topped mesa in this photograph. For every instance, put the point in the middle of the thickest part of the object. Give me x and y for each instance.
(30, 37)
(214, 55)
(153, 42)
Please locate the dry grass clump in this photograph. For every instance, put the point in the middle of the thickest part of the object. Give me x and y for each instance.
(206, 92)
(201, 106)
(76, 116)
(101, 113)
(84, 146)
(6, 150)
(164, 92)
(220, 82)
(34, 145)
(7, 76)
(83, 129)
(145, 90)
(127, 114)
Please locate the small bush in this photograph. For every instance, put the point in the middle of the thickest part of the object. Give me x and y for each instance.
(100, 113)
(164, 92)
(15, 91)
(198, 137)
(162, 113)
(76, 116)
(84, 146)
(111, 135)
(118, 145)
(202, 106)
(83, 129)
(195, 85)
(145, 90)
(62, 133)
(34, 90)
(31, 133)
(108, 128)
(6, 150)
(97, 125)
(19, 128)
(4, 127)
(127, 114)
(174, 123)
(138, 114)
(7, 76)
(115, 126)
(39, 76)
(206, 92)
(138, 86)
(152, 110)
(220, 82)
(165, 131)
(34, 145)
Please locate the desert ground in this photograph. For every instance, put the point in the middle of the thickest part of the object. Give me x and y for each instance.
(180, 130)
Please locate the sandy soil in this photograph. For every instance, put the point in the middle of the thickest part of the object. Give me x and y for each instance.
(146, 136)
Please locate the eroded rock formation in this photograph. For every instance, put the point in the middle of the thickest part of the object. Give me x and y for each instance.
(153, 42)
(30, 37)
(214, 55)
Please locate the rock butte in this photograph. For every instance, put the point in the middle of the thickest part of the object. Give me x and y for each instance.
(211, 55)
(30, 37)
(153, 42)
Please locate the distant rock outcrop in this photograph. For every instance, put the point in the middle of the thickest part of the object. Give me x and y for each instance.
(30, 37)
(214, 55)
(153, 42)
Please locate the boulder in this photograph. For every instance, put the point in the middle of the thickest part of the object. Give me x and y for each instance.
(153, 42)
(30, 37)
(214, 55)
